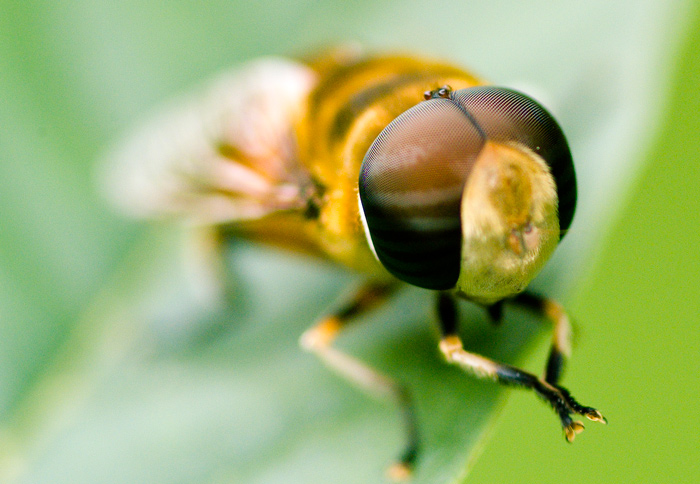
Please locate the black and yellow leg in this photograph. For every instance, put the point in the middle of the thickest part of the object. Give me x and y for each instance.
(319, 340)
(560, 350)
(559, 398)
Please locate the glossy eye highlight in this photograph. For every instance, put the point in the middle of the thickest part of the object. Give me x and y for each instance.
(411, 184)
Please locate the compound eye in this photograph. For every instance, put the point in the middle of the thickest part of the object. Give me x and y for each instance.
(506, 115)
(411, 184)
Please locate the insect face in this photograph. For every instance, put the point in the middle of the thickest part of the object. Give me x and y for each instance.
(461, 192)
(509, 223)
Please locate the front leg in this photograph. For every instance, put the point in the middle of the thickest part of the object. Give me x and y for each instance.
(558, 397)
(319, 340)
(560, 350)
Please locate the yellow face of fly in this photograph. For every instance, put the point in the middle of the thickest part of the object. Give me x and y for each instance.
(509, 221)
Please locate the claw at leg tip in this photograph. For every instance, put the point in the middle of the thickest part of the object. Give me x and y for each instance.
(596, 416)
(572, 429)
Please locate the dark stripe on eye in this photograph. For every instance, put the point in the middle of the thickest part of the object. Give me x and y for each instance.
(425, 262)
(411, 185)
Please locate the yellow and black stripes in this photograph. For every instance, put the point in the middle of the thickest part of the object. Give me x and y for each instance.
(345, 112)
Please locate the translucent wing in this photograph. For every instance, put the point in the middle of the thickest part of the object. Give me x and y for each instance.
(227, 154)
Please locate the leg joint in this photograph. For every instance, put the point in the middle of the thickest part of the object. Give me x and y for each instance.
(321, 335)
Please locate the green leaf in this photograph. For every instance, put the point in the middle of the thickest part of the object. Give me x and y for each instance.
(117, 362)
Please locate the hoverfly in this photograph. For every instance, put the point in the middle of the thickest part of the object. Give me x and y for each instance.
(403, 169)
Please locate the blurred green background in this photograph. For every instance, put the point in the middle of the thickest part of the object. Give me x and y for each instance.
(115, 368)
